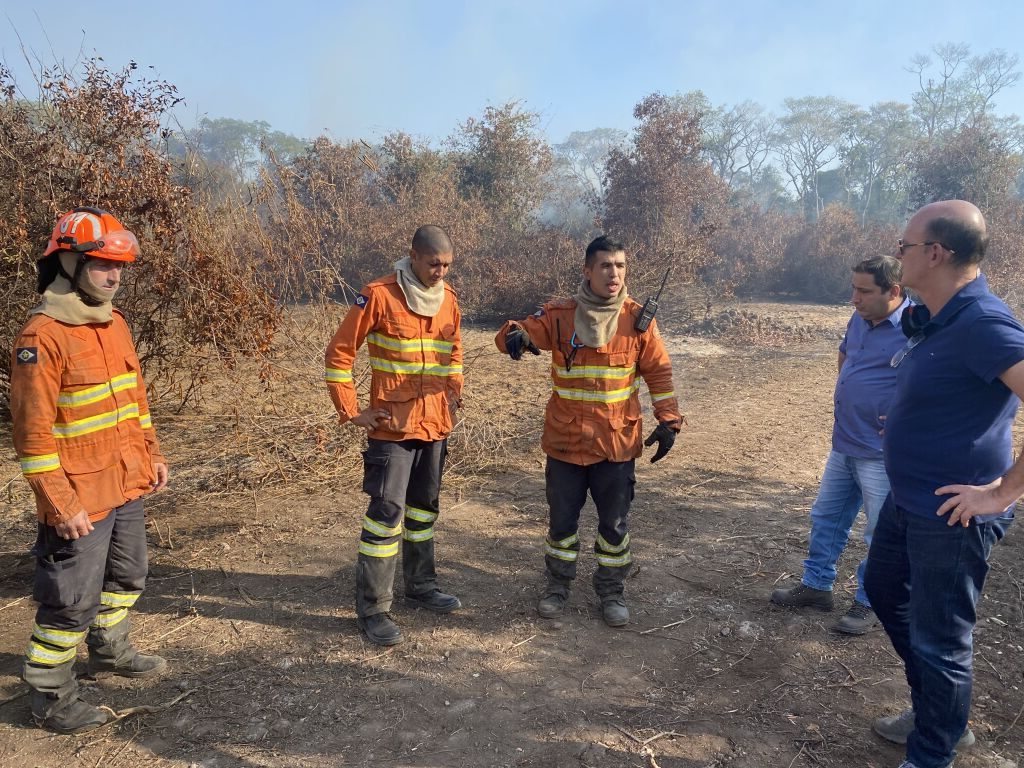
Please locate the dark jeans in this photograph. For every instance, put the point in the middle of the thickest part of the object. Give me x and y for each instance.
(924, 579)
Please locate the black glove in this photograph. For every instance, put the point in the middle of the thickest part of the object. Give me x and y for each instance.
(665, 437)
(516, 341)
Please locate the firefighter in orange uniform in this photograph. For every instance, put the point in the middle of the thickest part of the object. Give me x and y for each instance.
(592, 428)
(85, 440)
(410, 323)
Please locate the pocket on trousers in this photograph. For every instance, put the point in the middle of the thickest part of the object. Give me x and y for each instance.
(375, 472)
(55, 581)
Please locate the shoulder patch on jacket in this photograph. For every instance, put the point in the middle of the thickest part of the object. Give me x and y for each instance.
(361, 300)
(27, 355)
(539, 312)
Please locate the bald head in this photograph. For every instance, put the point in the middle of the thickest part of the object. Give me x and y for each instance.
(431, 240)
(957, 226)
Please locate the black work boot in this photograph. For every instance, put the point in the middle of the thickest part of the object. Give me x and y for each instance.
(856, 621)
(435, 600)
(138, 665)
(560, 575)
(609, 584)
(802, 596)
(54, 699)
(614, 611)
(380, 629)
(66, 715)
(897, 728)
(112, 653)
(552, 605)
(556, 594)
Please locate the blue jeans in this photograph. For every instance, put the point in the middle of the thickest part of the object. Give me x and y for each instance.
(924, 579)
(847, 484)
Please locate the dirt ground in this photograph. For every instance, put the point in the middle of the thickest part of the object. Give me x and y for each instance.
(250, 599)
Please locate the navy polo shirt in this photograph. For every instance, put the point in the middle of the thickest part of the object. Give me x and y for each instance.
(865, 384)
(951, 418)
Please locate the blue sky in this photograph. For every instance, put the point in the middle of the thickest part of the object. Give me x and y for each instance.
(362, 68)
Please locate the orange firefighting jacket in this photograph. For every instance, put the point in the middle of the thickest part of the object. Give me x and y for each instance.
(416, 362)
(593, 414)
(82, 428)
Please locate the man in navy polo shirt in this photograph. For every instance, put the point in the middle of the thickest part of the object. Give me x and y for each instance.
(854, 473)
(949, 456)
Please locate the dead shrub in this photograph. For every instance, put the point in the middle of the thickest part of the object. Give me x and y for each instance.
(95, 140)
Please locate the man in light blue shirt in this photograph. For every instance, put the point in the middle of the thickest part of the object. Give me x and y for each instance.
(854, 475)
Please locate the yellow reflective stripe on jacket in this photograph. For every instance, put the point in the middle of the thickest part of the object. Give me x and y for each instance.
(378, 550)
(424, 369)
(420, 515)
(101, 391)
(656, 396)
(338, 375)
(146, 421)
(62, 638)
(424, 535)
(569, 555)
(40, 654)
(108, 619)
(593, 372)
(596, 396)
(119, 599)
(602, 542)
(409, 345)
(31, 465)
(380, 530)
(96, 423)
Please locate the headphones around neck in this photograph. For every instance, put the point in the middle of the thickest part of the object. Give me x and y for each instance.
(914, 319)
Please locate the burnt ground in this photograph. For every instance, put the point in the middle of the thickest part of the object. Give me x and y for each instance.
(250, 599)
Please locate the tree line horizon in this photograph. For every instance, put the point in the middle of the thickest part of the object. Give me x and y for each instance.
(240, 221)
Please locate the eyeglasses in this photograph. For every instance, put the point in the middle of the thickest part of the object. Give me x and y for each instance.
(901, 246)
(912, 342)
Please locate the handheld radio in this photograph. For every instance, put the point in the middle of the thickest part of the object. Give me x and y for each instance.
(650, 307)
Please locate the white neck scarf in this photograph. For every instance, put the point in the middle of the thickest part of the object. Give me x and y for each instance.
(421, 299)
(597, 317)
(63, 303)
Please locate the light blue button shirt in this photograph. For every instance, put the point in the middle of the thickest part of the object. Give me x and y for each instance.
(866, 383)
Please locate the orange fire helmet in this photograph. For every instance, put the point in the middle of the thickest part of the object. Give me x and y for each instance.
(92, 232)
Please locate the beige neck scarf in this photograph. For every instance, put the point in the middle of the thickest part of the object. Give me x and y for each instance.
(596, 317)
(63, 303)
(421, 299)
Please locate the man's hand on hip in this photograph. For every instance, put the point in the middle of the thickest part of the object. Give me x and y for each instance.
(368, 419)
(969, 501)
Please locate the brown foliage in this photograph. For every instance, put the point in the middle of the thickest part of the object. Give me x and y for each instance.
(817, 261)
(96, 142)
(660, 197)
(749, 250)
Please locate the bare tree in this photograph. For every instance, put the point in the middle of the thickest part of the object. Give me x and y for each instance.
(584, 154)
(964, 88)
(737, 141)
(810, 138)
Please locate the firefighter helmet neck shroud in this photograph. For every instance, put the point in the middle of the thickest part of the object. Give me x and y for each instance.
(85, 233)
